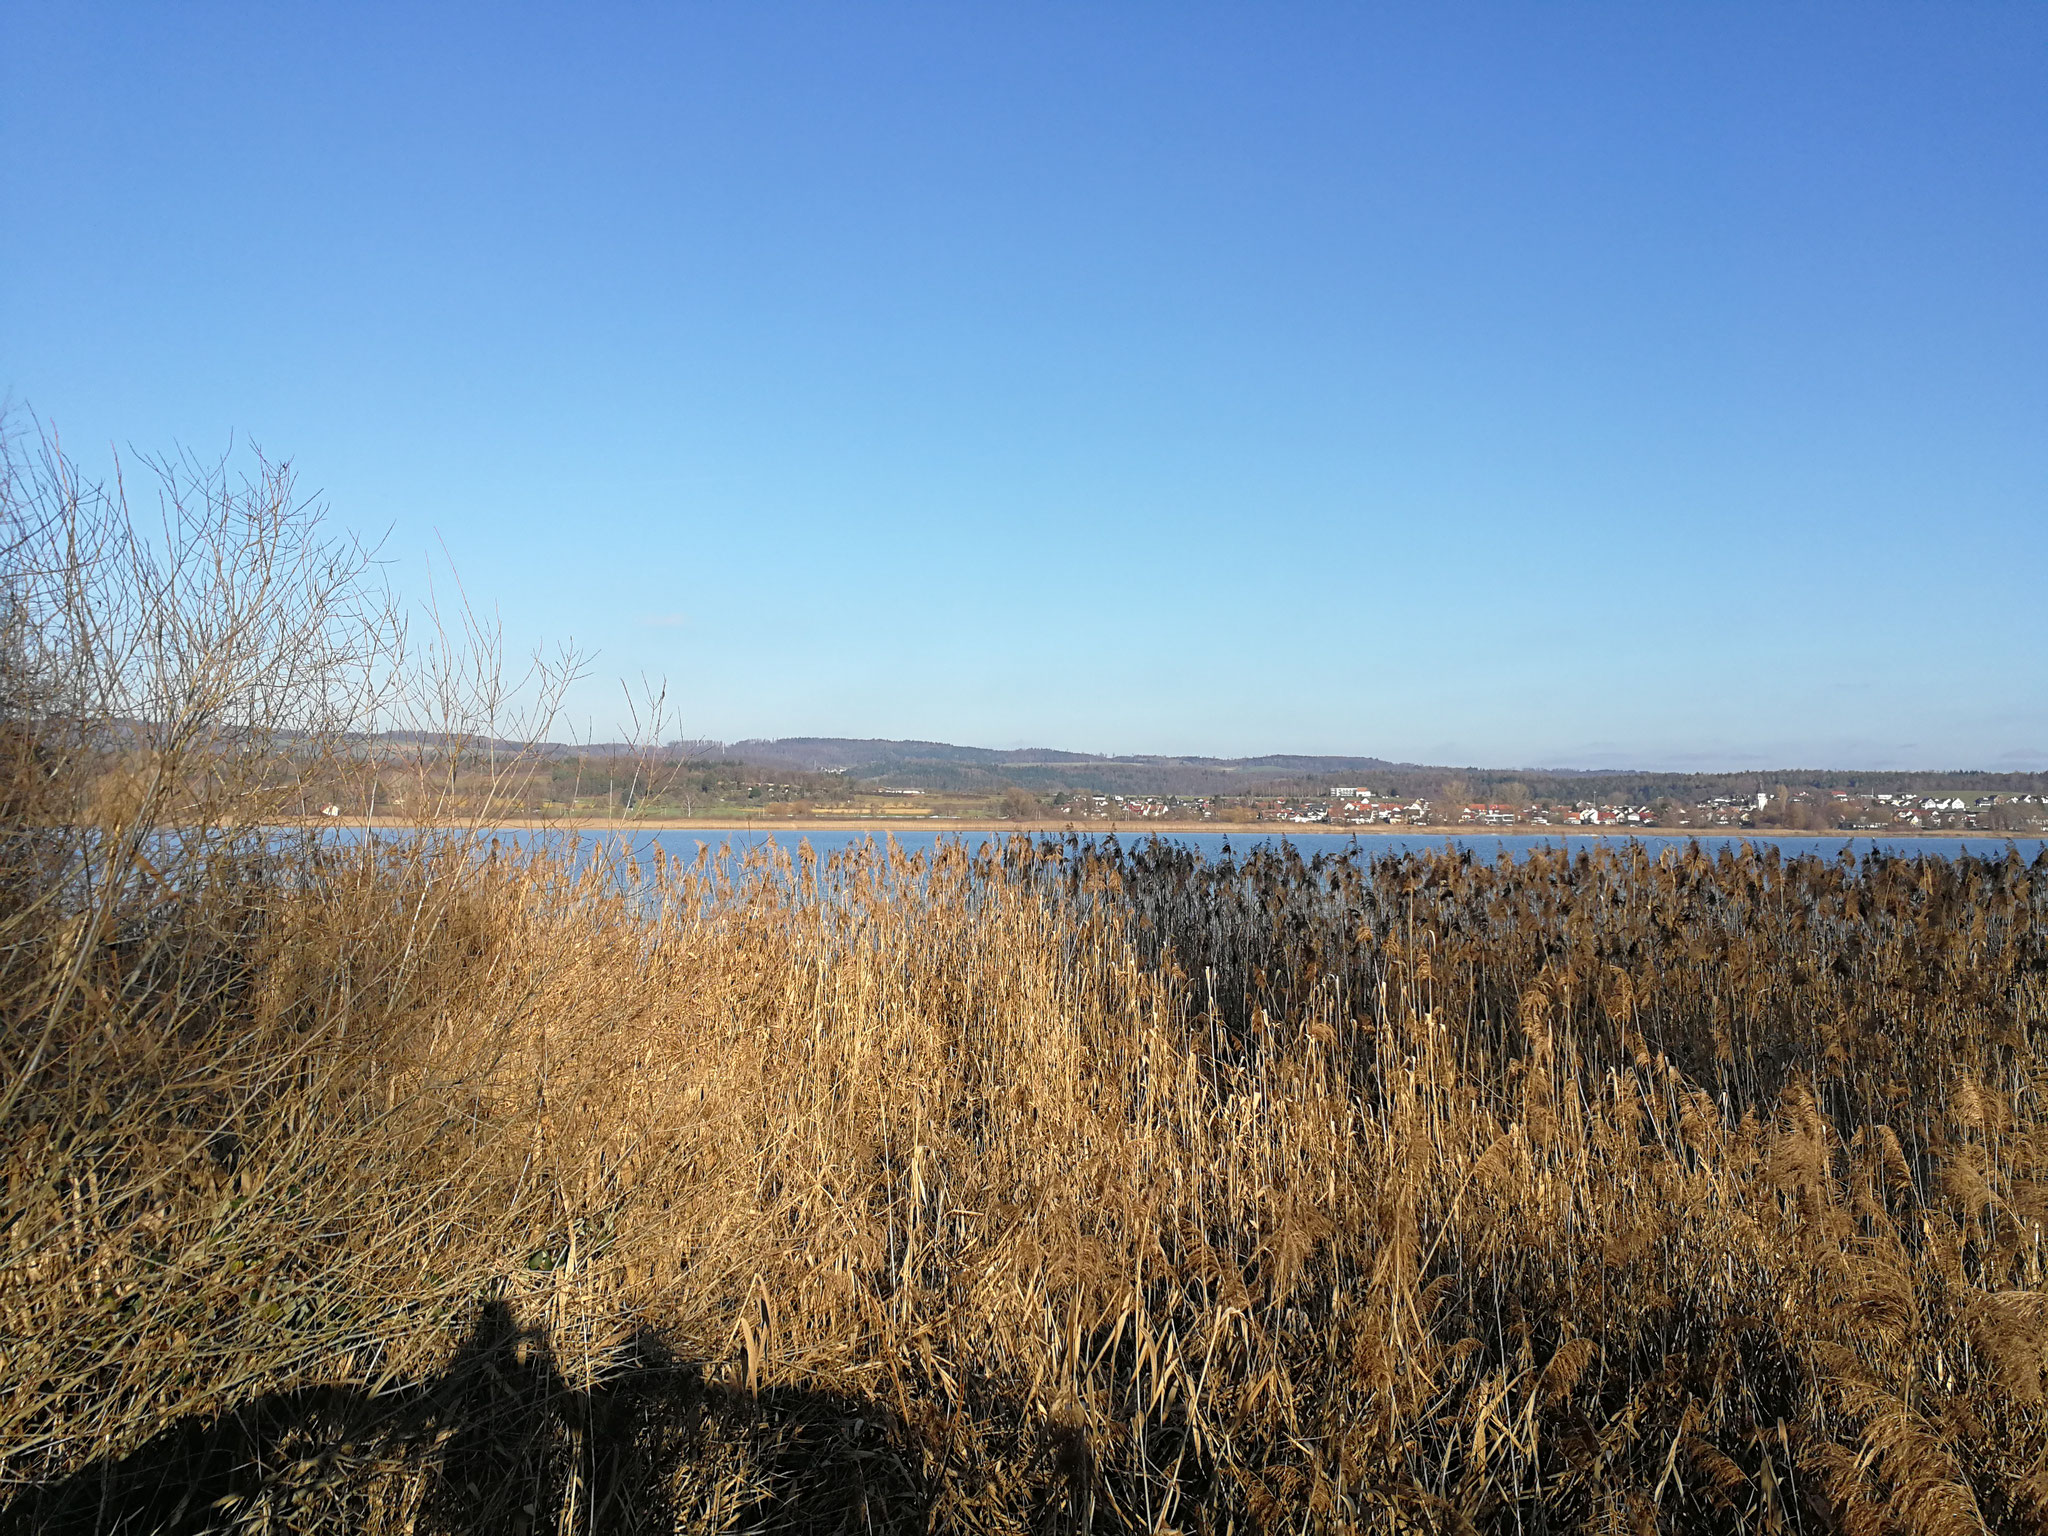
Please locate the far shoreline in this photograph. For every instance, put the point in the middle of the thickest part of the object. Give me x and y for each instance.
(599, 826)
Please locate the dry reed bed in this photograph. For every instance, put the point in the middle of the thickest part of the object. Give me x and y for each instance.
(1042, 1187)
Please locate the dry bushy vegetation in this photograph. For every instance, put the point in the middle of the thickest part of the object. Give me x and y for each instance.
(427, 1184)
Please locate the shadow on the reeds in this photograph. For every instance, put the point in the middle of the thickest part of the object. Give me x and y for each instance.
(500, 1442)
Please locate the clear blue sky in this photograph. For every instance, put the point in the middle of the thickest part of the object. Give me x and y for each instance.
(1533, 384)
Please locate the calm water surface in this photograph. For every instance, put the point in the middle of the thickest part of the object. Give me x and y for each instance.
(725, 842)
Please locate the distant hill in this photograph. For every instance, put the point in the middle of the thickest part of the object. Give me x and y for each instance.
(940, 765)
(944, 766)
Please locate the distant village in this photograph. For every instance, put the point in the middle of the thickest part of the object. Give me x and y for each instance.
(1798, 810)
(681, 786)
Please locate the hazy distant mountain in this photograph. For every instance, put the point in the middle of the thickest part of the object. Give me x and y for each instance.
(941, 765)
(820, 753)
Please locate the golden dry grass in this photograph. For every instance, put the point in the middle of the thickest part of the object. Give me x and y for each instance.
(440, 1186)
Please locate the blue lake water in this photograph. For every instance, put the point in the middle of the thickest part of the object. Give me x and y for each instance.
(724, 842)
